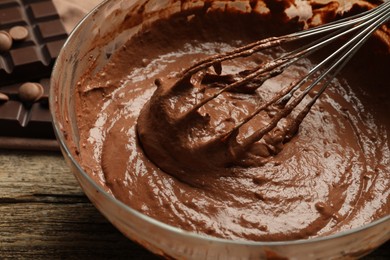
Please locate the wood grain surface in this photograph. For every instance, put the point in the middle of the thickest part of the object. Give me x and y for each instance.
(45, 215)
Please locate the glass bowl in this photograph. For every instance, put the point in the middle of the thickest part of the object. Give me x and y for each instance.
(88, 48)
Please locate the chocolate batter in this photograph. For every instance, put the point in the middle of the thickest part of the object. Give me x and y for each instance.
(332, 175)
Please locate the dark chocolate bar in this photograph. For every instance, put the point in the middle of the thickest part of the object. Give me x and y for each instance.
(21, 119)
(34, 56)
(28, 60)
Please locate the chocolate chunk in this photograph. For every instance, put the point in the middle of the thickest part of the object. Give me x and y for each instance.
(43, 10)
(18, 33)
(13, 114)
(18, 120)
(24, 113)
(54, 48)
(31, 56)
(25, 56)
(51, 29)
(30, 92)
(11, 15)
(5, 41)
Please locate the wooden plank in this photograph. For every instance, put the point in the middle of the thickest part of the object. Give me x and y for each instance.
(28, 173)
(44, 230)
(45, 215)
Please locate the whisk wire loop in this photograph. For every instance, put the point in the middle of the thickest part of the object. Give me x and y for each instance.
(340, 57)
(357, 29)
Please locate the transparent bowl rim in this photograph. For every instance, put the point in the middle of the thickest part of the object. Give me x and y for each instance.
(158, 223)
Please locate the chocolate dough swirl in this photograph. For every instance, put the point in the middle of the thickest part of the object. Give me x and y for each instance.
(332, 176)
(196, 138)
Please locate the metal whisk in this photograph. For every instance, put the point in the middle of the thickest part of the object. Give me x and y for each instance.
(358, 28)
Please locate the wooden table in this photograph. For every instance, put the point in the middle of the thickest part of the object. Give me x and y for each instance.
(45, 215)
